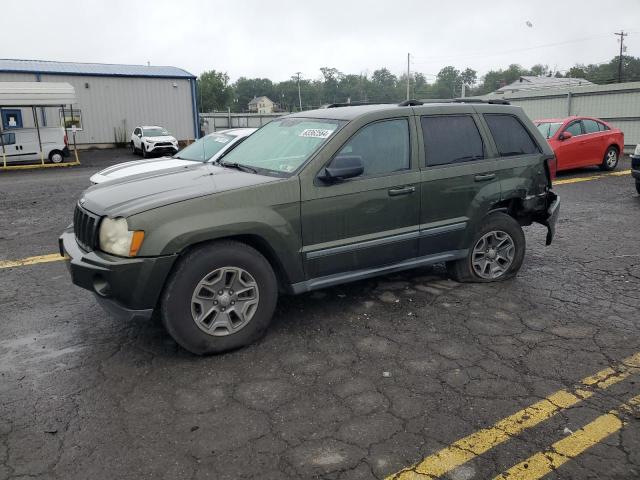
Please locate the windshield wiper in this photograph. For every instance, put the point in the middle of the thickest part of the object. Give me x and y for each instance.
(237, 166)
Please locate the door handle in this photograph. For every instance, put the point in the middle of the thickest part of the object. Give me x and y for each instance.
(483, 177)
(394, 192)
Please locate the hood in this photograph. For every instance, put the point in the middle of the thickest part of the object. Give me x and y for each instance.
(126, 169)
(162, 138)
(138, 193)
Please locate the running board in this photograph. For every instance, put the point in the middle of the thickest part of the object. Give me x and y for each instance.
(338, 278)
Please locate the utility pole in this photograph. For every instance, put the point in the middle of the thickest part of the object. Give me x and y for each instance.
(299, 95)
(408, 73)
(621, 35)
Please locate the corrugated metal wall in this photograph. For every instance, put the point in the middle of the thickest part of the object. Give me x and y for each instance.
(113, 102)
(618, 104)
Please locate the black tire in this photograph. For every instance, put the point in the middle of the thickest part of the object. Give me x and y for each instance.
(175, 302)
(607, 163)
(638, 187)
(462, 270)
(143, 150)
(134, 151)
(56, 156)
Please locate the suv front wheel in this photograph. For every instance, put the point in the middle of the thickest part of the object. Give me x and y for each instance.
(496, 253)
(220, 297)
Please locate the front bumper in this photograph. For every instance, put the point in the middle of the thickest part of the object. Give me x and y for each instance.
(129, 288)
(635, 167)
(162, 149)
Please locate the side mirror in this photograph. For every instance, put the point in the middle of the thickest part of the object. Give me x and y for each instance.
(342, 167)
(565, 135)
(139, 135)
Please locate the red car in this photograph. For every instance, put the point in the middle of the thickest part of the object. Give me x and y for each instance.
(582, 142)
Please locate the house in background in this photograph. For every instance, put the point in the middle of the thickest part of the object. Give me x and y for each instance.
(536, 83)
(261, 105)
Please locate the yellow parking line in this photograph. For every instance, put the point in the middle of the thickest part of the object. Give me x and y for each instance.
(483, 440)
(592, 177)
(39, 165)
(53, 257)
(542, 463)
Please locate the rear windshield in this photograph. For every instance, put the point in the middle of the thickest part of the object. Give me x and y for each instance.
(205, 148)
(283, 145)
(548, 129)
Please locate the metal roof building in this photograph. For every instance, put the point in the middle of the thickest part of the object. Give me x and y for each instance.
(112, 99)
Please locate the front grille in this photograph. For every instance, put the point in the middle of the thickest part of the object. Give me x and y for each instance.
(85, 227)
(635, 163)
(164, 144)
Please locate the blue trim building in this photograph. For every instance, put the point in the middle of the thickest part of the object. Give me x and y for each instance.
(115, 97)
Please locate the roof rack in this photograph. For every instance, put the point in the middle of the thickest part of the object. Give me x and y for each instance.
(352, 104)
(414, 102)
(496, 101)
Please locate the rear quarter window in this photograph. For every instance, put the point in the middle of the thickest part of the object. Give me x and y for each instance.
(510, 136)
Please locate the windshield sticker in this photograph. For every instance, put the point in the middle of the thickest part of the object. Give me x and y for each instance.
(220, 139)
(316, 133)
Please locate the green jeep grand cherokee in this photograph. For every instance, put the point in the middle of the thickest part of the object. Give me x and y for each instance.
(311, 200)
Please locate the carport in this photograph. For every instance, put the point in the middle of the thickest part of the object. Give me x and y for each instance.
(33, 95)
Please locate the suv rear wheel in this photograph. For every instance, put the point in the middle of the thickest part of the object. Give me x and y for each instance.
(496, 253)
(220, 297)
(638, 187)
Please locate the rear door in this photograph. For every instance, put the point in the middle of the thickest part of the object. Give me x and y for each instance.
(458, 177)
(595, 142)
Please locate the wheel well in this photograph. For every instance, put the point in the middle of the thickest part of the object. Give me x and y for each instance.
(614, 146)
(512, 207)
(261, 245)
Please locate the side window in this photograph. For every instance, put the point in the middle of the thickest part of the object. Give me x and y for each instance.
(383, 146)
(9, 138)
(603, 127)
(590, 126)
(574, 128)
(137, 131)
(511, 137)
(451, 139)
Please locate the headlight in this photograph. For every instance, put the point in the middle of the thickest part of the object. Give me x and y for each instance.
(116, 238)
(637, 150)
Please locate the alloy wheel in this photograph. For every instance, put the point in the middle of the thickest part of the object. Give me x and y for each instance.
(493, 254)
(225, 301)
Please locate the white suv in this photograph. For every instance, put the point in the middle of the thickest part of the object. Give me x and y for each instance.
(152, 140)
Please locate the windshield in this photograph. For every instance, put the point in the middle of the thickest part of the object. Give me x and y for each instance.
(283, 145)
(548, 129)
(205, 148)
(155, 132)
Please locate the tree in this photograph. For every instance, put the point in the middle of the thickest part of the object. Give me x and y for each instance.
(469, 76)
(214, 92)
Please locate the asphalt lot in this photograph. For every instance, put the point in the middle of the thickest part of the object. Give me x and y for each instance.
(358, 381)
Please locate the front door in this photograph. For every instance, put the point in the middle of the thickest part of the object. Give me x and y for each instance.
(571, 152)
(371, 220)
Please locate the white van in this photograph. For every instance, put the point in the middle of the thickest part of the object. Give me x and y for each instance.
(21, 144)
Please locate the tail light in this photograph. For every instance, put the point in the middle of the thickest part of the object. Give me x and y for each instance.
(552, 167)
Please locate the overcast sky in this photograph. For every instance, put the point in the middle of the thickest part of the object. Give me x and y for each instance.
(276, 38)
